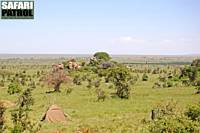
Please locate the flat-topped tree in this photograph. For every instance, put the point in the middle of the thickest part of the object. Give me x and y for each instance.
(102, 56)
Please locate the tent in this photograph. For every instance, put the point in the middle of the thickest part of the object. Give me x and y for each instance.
(54, 114)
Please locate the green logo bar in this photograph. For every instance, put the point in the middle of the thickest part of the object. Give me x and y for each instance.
(17, 9)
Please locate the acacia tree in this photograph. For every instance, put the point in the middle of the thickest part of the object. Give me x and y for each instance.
(120, 76)
(102, 56)
(56, 78)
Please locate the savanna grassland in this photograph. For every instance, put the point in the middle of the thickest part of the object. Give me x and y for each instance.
(89, 97)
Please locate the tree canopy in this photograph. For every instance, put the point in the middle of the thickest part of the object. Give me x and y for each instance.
(102, 56)
(196, 63)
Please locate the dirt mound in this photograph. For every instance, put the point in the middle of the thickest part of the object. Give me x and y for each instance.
(85, 130)
(57, 131)
(54, 114)
(7, 104)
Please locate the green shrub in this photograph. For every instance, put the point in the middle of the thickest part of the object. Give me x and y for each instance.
(174, 125)
(156, 71)
(38, 74)
(167, 118)
(84, 77)
(185, 81)
(191, 73)
(145, 77)
(170, 84)
(102, 72)
(2, 83)
(120, 76)
(2, 121)
(163, 78)
(168, 108)
(198, 90)
(198, 87)
(32, 84)
(69, 90)
(77, 80)
(123, 90)
(89, 83)
(13, 88)
(196, 63)
(193, 112)
(100, 95)
(157, 85)
(166, 81)
(20, 115)
(97, 83)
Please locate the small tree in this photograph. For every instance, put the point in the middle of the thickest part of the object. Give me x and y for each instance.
(56, 78)
(20, 115)
(120, 76)
(13, 88)
(145, 77)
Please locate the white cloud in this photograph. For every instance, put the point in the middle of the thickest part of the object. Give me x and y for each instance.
(129, 40)
(167, 41)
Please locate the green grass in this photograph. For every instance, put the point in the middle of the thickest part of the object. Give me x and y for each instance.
(112, 115)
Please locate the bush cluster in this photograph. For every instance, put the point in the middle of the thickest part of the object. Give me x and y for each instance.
(168, 118)
(13, 88)
(166, 81)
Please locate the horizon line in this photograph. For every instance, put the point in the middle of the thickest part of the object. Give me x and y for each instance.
(192, 54)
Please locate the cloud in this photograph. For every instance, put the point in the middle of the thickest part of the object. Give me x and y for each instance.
(176, 41)
(129, 40)
(167, 41)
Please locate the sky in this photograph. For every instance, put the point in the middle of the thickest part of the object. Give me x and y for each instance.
(136, 27)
